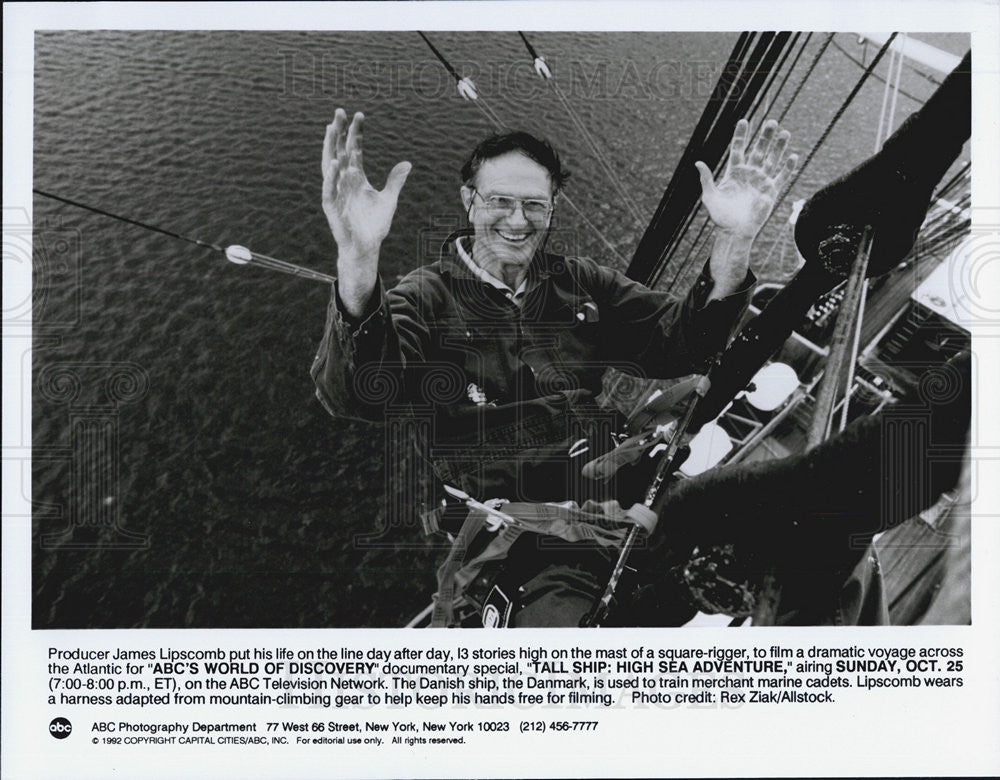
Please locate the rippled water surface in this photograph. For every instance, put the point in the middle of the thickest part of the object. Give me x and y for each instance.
(171, 394)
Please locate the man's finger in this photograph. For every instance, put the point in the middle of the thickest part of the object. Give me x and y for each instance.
(354, 133)
(786, 172)
(738, 148)
(707, 180)
(760, 148)
(330, 182)
(397, 178)
(774, 157)
(339, 120)
(329, 147)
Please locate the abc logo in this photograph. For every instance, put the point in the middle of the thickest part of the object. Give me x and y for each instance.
(60, 728)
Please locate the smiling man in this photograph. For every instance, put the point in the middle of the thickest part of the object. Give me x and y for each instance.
(500, 346)
(511, 182)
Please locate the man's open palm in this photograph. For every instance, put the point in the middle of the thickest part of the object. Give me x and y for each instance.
(743, 199)
(359, 215)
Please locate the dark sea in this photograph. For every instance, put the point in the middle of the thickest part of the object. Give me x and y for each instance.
(184, 473)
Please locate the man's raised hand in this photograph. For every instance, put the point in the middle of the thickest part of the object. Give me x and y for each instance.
(359, 215)
(743, 199)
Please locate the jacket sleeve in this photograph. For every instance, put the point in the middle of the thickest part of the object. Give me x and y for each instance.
(360, 366)
(665, 336)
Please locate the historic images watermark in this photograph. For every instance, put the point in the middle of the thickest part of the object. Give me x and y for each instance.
(306, 75)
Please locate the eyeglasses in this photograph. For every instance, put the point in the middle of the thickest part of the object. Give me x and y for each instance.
(504, 205)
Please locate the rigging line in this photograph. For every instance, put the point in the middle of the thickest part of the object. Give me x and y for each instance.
(489, 113)
(861, 64)
(592, 226)
(945, 234)
(747, 83)
(720, 94)
(697, 244)
(679, 191)
(772, 77)
(958, 205)
(791, 69)
(885, 100)
(933, 227)
(726, 88)
(942, 233)
(949, 239)
(836, 118)
(962, 173)
(498, 124)
(761, 66)
(119, 217)
(440, 57)
(939, 227)
(898, 80)
(714, 145)
(239, 255)
(805, 77)
(932, 79)
(581, 128)
(601, 158)
(273, 264)
(774, 98)
(840, 112)
(531, 49)
(952, 216)
(945, 240)
(946, 213)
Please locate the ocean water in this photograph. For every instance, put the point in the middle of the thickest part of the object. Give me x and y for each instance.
(184, 474)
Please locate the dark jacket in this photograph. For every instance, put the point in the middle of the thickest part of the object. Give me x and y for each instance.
(503, 388)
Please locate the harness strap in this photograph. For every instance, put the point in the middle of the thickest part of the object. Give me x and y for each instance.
(604, 523)
(444, 599)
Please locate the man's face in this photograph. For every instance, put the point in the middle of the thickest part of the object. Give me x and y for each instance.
(506, 242)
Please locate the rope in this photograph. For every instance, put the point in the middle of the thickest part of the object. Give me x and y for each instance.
(592, 226)
(700, 239)
(489, 113)
(531, 49)
(885, 122)
(763, 97)
(587, 136)
(440, 57)
(805, 77)
(120, 218)
(861, 64)
(643, 266)
(836, 118)
(494, 119)
(492, 116)
(249, 258)
(791, 69)
(885, 101)
(899, 79)
(681, 192)
(601, 158)
(274, 264)
(761, 64)
(962, 175)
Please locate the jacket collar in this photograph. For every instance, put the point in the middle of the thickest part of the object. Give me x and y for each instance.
(541, 265)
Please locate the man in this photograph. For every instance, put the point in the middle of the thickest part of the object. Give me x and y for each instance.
(501, 346)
